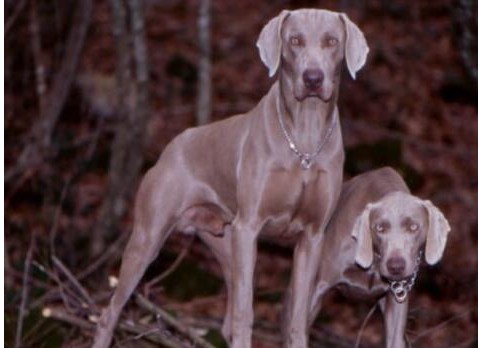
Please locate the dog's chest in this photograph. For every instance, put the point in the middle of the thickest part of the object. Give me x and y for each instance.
(295, 198)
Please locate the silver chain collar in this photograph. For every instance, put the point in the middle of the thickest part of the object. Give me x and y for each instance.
(306, 159)
(401, 288)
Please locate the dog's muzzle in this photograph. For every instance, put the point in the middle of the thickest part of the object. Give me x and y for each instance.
(401, 288)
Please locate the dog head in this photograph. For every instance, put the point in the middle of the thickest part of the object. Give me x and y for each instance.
(308, 46)
(396, 228)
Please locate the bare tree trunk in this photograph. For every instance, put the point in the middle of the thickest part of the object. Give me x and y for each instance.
(38, 143)
(132, 115)
(203, 107)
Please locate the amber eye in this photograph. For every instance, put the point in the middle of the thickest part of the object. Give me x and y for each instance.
(332, 41)
(413, 227)
(295, 41)
(379, 228)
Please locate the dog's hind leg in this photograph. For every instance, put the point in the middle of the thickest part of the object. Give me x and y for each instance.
(140, 252)
(153, 222)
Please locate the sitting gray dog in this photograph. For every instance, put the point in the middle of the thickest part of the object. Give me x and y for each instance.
(374, 243)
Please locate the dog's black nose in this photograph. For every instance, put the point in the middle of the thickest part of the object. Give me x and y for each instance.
(396, 266)
(313, 78)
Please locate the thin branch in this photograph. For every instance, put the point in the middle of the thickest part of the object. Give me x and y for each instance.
(25, 291)
(166, 317)
(72, 279)
(58, 211)
(27, 175)
(13, 17)
(10, 271)
(441, 325)
(145, 332)
(170, 270)
(63, 290)
(60, 314)
(103, 258)
(363, 326)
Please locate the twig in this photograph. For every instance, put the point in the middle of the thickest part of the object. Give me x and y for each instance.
(29, 173)
(13, 17)
(104, 257)
(171, 269)
(157, 337)
(364, 323)
(62, 288)
(25, 291)
(58, 211)
(60, 314)
(10, 271)
(73, 280)
(440, 325)
(180, 327)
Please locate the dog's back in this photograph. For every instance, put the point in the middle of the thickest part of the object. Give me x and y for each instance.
(358, 192)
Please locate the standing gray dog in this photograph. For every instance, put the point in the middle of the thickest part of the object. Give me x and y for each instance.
(274, 171)
(374, 243)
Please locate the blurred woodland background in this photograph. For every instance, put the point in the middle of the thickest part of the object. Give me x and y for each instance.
(94, 90)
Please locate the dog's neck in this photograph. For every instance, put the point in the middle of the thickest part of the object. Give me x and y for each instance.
(307, 121)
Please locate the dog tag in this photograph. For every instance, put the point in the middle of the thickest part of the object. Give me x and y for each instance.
(399, 291)
(306, 162)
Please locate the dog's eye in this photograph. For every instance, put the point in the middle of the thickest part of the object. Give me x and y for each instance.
(413, 227)
(379, 228)
(296, 41)
(332, 41)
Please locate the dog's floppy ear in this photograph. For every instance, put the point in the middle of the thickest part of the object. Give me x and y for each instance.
(438, 229)
(356, 48)
(361, 232)
(270, 42)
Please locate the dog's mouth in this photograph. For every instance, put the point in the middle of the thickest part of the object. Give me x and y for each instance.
(391, 278)
(314, 93)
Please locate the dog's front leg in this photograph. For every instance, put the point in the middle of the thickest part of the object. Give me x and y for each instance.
(306, 257)
(244, 247)
(395, 315)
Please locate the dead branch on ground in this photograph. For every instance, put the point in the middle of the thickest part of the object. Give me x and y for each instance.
(25, 291)
(171, 321)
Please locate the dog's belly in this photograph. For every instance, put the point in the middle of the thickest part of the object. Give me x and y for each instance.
(282, 231)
